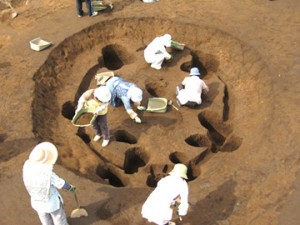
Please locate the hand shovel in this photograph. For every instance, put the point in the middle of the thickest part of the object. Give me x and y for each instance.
(79, 212)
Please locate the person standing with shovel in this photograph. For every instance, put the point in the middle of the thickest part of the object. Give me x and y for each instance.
(42, 184)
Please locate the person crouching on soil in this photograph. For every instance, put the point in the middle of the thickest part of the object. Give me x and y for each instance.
(170, 191)
(99, 99)
(155, 53)
(123, 92)
(42, 184)
(190, 90)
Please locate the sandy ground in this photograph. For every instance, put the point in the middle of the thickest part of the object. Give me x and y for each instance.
(241, 145)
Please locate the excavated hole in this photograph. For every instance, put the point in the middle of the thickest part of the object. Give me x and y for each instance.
(156, 172)
(195, 62)
(198, 140)
(68, 110)
(111, 175)
(215, 136)
(217, 129)
(114, 45)
(156, 87)
(124, 136)
(134, 159)
(178, 157)
(115, 56)
(82, 134)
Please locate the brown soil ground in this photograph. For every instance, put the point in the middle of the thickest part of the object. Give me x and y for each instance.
(241, 145)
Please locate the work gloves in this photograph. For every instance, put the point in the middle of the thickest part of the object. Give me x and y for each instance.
(168, 56)
(141, 108)
(133, 115)
(137, 120)
(72, 189)
(99, 109)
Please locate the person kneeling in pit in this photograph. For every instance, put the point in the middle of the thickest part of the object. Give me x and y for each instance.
(190, 90)
(155, 53)
(98, 98)
(123, 92)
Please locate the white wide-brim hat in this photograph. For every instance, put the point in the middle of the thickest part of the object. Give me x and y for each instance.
(179, 170)
(44, 153)
(135, 94)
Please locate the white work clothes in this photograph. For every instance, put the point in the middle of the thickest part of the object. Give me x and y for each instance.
(157, 208)
(42, 183)
(156, 52)
(193, 87)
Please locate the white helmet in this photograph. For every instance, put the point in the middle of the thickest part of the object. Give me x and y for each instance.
(167, 39)
(102, 94)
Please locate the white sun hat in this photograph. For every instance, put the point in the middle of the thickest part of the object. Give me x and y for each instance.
(44, 153)
(179, 170)
(135, 94)
(102, 94)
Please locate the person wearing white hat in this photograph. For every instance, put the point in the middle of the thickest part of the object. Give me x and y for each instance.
(170, 191)
(155, 53)
(97, 98)
(42, 184)
(190, 90)
(123, 92)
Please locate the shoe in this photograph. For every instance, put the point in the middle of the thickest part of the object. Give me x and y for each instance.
(94, 14)
(105, 143)
(79, 15)
(171, 223)
(155, 67)
(97, 137)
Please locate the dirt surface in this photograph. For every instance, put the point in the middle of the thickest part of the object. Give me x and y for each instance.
(240, 145)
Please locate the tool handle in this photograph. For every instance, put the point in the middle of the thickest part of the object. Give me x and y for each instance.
(174, 107)
(76, 199)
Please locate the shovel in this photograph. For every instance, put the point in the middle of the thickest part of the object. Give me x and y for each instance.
(79, 212)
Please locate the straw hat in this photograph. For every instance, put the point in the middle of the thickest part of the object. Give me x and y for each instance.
(195, 72)
(44, 153)
(179, 170)
(101, 78)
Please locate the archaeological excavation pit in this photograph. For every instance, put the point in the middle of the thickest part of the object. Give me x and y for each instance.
(140, 154)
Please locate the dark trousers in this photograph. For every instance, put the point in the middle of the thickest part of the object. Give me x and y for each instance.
(88, 6)
(100, 126)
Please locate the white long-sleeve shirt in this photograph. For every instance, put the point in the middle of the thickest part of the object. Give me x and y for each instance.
(156, 47)
(42, 183)
(193, 87)
(157, 208)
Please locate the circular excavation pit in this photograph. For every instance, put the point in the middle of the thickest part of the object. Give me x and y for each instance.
(140, 154)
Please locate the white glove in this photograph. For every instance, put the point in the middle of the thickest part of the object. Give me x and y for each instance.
(137, 120)
(99, 109)
(168, 57)
(141, 108)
